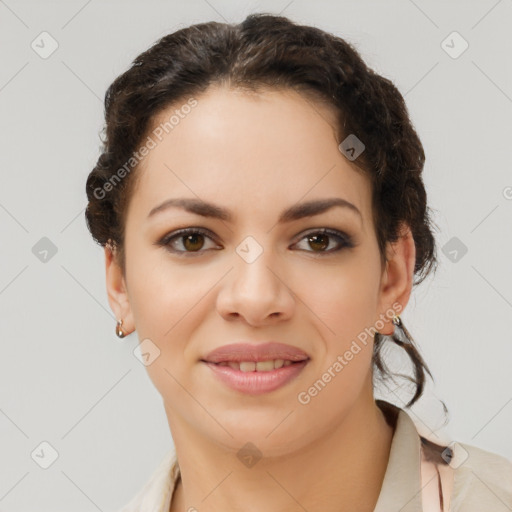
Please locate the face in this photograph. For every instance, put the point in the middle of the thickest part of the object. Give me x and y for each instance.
(256, 275)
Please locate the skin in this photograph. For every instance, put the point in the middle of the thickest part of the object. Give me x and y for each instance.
(257, 155)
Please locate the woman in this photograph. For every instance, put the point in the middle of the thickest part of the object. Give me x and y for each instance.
(261, 206)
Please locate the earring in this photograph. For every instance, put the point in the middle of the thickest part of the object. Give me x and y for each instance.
(400, 331)
(119, 330)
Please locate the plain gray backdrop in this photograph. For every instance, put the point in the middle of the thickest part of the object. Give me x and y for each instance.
(66, 381)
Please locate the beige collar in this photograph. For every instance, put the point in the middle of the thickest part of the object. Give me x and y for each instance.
(401, 488)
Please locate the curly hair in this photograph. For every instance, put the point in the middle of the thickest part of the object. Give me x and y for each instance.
(267, 51)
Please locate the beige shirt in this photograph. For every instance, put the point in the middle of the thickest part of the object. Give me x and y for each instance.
(482, 481)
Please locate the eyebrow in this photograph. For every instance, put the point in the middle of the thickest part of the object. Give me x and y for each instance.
(295, 212)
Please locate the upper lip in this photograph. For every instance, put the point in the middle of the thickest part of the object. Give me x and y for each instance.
(255, 352)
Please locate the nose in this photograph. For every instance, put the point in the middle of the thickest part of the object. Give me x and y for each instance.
(256, 290)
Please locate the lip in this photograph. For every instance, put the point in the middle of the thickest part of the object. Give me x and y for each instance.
(256, 383)
(239, 352)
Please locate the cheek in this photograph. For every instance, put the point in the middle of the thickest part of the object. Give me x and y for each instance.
(345, 315)
(163, 293)
(346, 302)
(167, 302)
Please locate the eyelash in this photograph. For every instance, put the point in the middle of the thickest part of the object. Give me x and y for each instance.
(344, 240)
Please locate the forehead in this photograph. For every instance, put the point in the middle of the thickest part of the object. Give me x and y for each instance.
(273, 147)
(277, 119)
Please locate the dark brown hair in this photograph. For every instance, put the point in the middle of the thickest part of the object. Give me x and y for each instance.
(266, 51)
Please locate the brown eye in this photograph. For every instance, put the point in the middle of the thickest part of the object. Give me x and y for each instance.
(319, 240)
(193, 242)
(186, 241)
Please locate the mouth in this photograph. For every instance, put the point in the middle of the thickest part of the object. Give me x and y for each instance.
(256, 378)
(256, 368)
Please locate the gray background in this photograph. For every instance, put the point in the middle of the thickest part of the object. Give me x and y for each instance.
(67, 380)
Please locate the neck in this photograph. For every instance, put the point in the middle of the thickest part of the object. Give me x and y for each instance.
(316, 477)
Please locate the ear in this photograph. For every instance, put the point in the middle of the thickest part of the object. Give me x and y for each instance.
(397, 279)
(117, 291)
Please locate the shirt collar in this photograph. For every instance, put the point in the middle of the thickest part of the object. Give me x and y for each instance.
(401, 487)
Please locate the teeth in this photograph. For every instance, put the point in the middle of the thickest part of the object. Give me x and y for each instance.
(248, 366)
(260, 366)
(264, 366)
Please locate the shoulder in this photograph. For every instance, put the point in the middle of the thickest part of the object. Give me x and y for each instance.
(482, 479)
(474, 478)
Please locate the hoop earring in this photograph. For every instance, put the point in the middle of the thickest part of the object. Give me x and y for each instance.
(400, 331)
(119, 330)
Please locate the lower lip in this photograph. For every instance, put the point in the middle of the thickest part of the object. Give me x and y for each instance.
(256, 383)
